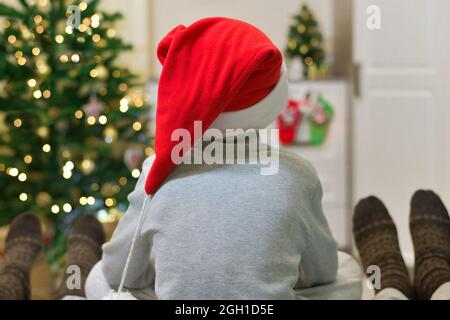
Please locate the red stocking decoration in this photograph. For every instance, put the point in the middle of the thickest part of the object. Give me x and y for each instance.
(289, 121)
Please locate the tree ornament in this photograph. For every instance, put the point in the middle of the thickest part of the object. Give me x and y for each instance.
(320, 119)
(94, 107)
(133, 158)
(43, 199)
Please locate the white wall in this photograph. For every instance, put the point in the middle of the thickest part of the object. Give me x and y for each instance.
(135, 29)
(271, 16)
(146, 22)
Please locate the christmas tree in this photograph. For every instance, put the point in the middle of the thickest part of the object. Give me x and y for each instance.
(73, 127)
(305, 41)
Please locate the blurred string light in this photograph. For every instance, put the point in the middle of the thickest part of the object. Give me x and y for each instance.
(75, 58)
(64, 58)
(37, 19)
(43, 3)
(83, 6)
(32, 83)
(22, 61)
(40, 29)
(91, 120)
(109, 202)
(136, 173)
(67, 170)
(17, 123)
(55, 209)
(78, 114)
(91, 201)
(103, 120)
(12, 39)
(96, 38)
(93, 73)
(37, 94)
(124, 105)
(87, 166)
(95, 21)
(123, 181)
(137, 126)
(59, 39)
(13, 172)
(67, 208)
(36, 51)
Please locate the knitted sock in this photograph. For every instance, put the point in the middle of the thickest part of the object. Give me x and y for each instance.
(430, 231)
(84, 251)
(377, 242)
(23, 244)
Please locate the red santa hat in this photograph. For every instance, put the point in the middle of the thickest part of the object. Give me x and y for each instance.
(214, 66)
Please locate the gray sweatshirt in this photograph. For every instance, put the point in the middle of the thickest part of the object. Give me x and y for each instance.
(227, 232)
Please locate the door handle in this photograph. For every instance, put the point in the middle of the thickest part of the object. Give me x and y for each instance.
(356, 74)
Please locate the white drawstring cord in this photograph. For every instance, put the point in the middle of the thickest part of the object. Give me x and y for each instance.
(136, 235)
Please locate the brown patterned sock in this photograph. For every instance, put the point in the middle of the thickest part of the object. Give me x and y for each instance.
(430, 232)
(377, 242)
(23, 244)
(84, 251)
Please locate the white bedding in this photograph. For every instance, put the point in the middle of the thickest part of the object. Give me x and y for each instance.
(347, 286)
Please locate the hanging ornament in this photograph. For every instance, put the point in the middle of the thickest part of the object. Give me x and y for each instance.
(102, 72)
(289, 121)
(133, 158)
(320, 120)
(43, 199)
(318, 115)
(94, 107)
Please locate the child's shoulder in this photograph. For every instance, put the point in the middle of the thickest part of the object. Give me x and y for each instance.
(297, 164)
(147, 164)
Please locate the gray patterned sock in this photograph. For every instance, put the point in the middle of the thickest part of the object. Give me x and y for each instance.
(84, 250)
(23, 244)
(377, 242)
(430, 231)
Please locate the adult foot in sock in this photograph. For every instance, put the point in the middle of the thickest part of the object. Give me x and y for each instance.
(377, 242)
(23, 243)
(430, 231)
(84, 250)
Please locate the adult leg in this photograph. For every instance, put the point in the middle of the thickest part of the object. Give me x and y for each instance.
(430, 231)
(377, 242)
(23, 244)
(83, 252)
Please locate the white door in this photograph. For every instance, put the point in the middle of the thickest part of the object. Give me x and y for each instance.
(401, 114)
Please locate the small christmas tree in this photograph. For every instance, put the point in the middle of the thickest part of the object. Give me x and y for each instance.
(305, 41)
(74, 131)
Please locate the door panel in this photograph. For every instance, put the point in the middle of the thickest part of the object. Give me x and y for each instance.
(401, 118)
